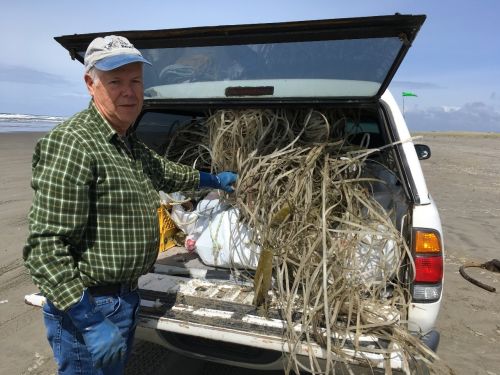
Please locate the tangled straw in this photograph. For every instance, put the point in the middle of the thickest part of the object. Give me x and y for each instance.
(335, 253)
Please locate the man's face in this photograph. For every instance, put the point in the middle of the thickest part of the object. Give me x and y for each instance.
(118, 94)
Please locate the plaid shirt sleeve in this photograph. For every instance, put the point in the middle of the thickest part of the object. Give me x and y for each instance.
(58, 217)
(165, 174)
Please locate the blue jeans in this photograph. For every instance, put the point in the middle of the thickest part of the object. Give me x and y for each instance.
(70, 352)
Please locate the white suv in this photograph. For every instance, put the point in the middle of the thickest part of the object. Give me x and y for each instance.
(200, 310)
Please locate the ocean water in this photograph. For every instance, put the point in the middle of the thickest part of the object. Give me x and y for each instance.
(13, 122)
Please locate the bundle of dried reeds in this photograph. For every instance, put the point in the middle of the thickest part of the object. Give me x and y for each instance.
(334, 252)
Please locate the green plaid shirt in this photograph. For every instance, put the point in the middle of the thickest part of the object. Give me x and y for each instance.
(94, 215)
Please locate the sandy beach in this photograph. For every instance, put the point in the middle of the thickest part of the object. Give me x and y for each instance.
(463, 176)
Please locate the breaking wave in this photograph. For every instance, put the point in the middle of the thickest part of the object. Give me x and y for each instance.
(14, 122)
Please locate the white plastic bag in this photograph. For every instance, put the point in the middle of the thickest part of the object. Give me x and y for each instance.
(184, 220)
(376, 258)
(214, 230)
(221, 239)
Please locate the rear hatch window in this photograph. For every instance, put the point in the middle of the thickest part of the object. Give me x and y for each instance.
(352, 68)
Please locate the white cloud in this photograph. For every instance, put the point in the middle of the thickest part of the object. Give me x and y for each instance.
(415, 85)
(448, 108)
(84, 95)
(22, 74)
(476, 116)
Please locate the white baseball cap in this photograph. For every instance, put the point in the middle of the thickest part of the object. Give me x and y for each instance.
(111, 52)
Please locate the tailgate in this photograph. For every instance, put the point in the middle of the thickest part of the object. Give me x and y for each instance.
(206, 307)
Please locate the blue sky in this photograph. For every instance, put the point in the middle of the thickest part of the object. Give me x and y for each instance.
(453, 66)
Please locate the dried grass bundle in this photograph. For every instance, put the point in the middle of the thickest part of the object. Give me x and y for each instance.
(334, 251)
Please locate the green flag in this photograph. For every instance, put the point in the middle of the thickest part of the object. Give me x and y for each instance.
(407, 93)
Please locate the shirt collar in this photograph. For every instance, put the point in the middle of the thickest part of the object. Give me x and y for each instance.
(102, 125)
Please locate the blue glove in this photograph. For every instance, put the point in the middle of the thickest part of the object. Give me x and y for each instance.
(102, 338)
(222, 181)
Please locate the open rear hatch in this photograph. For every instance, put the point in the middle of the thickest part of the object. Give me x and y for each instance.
(324, 60)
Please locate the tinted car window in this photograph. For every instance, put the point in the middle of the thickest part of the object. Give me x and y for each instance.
(156, 129)
(322, 68)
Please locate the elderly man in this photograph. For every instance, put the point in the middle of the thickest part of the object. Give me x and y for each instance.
(93, 223)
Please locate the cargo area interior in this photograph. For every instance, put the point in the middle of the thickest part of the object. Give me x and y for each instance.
(363, 128)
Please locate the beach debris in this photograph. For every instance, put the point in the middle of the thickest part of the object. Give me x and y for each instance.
(4, 301)
(39, 360)
(263, 274)
(331, 254)
(492, 265)
(477, 333)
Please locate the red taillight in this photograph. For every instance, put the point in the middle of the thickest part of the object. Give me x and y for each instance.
(429, 269)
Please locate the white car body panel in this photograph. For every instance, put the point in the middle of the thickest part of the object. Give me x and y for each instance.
(421, 316)
(408, 146)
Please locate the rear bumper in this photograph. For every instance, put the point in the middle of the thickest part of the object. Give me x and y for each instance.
(256, 350)
(240, 355)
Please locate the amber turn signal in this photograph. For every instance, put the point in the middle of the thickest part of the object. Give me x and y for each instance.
(427, 242)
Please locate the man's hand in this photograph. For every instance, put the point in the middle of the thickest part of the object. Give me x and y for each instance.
(102, 338)
(226, 180)
(223, 181)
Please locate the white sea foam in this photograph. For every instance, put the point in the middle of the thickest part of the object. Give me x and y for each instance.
(15, 122)
(16, 117)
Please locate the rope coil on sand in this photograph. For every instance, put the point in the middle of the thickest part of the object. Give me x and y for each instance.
(492, 265)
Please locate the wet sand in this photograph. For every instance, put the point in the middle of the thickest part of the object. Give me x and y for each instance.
(463, 176)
